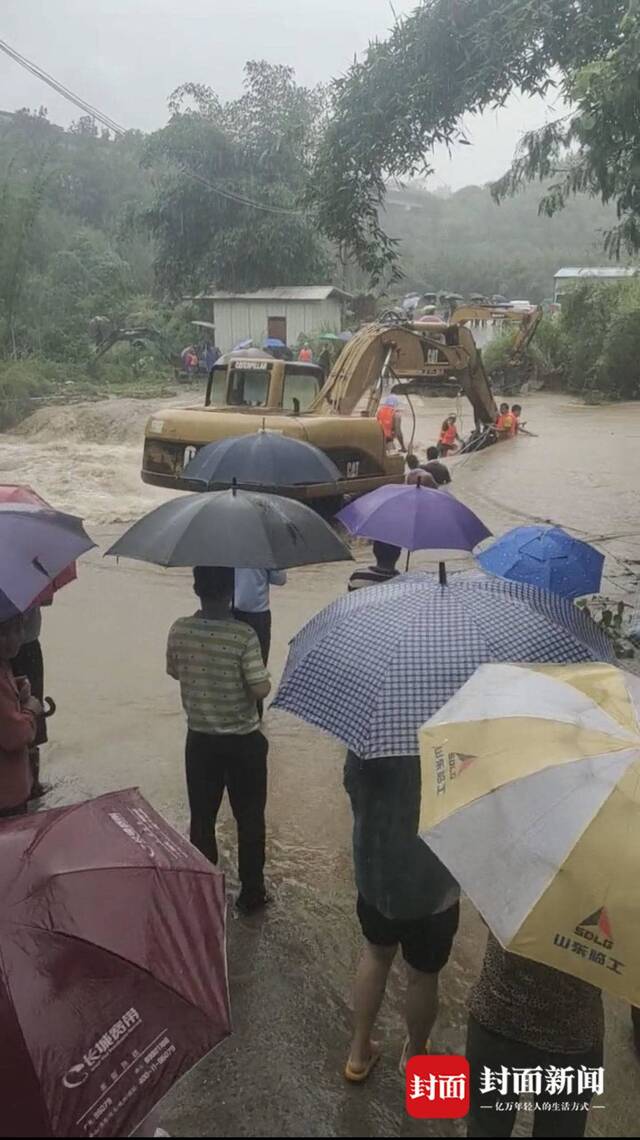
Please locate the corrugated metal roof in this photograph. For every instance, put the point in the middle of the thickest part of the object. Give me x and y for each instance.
(597, 271)
(278, 293)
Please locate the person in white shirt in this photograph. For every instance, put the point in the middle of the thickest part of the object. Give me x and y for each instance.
(251, 604)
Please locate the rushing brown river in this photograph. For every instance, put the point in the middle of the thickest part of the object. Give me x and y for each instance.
(581, 470)
(119, 723)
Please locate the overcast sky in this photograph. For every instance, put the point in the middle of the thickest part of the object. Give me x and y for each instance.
(126, 56)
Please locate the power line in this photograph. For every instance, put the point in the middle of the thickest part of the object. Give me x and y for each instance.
(237, 197)
(60, 88)
(110, 123)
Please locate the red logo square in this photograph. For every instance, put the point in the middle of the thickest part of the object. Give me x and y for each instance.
(437, 1087)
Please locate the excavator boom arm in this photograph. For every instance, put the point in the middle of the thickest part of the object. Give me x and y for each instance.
(418, 355)
(526, 334)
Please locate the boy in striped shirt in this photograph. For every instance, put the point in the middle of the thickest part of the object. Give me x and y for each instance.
(218, 662)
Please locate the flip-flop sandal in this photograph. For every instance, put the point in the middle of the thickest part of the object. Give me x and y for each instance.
(405, 1056)
(357, 1075)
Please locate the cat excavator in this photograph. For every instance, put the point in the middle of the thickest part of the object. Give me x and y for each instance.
(485, 319)
(251, 390)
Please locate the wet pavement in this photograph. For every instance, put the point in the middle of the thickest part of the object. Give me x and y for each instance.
(119, 723)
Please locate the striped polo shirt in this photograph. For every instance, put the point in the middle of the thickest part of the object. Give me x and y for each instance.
(215, 661)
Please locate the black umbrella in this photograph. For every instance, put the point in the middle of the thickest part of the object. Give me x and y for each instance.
(261, 459)
(231, 528)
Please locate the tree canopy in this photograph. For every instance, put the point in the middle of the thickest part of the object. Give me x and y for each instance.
(592, 346)
(92, 225)
(451, 57)
(229, 179)
(65, 249)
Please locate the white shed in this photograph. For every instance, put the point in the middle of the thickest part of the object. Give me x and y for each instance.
(570, 276)
(285, 312)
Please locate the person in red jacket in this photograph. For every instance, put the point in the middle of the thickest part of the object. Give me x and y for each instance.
(19, 712)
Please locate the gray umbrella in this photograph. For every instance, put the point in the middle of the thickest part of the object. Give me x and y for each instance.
(262, 459)
(231, 528)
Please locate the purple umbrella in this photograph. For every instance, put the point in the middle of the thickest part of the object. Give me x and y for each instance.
(36, 543)
(416, 518)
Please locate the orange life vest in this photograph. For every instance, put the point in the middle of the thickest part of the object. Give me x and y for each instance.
(305, 355)
(385, 416)
(448, 435)
(506, 424)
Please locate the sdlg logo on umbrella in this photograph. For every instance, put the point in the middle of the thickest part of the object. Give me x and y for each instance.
(449, 765)
(592, 940)
(598, 921)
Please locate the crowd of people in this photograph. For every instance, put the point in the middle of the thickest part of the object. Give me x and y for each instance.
(508, 424)
(199, 358)
(521, 1013)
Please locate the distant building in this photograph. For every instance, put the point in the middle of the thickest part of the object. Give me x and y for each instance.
(285, 312)
(567, 278)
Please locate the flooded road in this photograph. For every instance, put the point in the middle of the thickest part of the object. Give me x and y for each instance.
(580, 470)
(119, 723)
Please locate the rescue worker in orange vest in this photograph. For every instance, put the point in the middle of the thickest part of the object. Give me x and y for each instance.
(390, 419)
(506, 423)
(449, 438)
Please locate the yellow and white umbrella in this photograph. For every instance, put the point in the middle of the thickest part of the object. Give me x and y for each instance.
(531, 798)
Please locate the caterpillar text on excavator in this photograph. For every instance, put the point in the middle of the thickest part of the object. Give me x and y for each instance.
(248, 391)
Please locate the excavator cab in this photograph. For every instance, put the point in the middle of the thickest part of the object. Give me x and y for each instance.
(263, 383)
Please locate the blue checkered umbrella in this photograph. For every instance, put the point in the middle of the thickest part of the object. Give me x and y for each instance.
(376, 664)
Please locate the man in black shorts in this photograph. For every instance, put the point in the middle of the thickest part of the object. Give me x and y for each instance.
(406, 897)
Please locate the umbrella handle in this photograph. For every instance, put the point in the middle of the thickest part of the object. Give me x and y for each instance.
(50, 706)
(442, 573)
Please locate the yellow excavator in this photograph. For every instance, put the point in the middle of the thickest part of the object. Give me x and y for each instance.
(247, 391)
(517, 369)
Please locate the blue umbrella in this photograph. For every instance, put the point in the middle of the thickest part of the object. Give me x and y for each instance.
(36, 543)
(373, 666)
(261, 459)
(273, 342)
(548, 557)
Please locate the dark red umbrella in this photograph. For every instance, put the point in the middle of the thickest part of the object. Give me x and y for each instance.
(17, 493)
(113, 976)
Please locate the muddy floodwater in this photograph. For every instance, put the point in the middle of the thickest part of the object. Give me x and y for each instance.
(119, 723)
